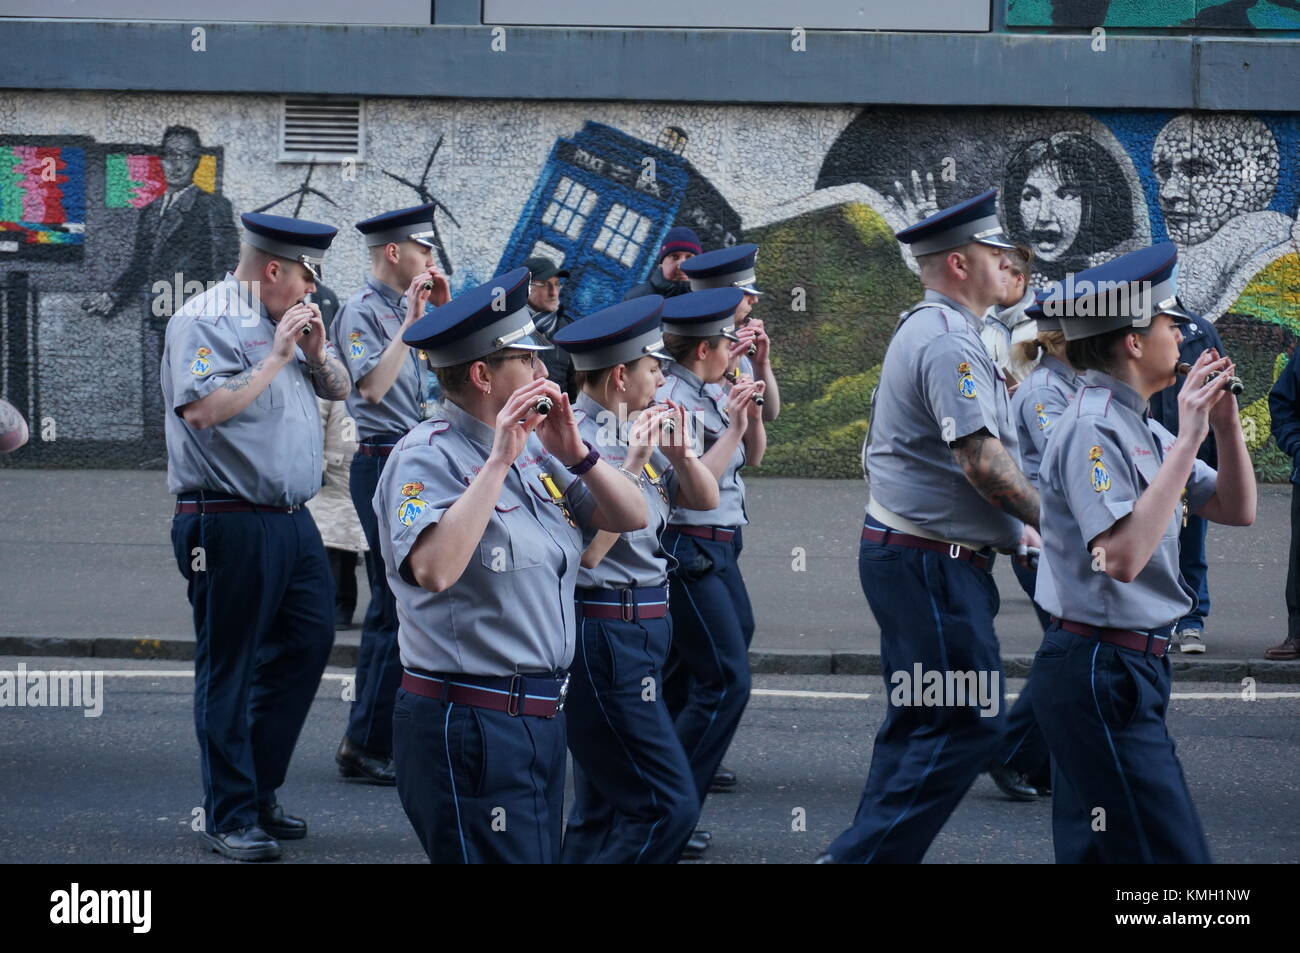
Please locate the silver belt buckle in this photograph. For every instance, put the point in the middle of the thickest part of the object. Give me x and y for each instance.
(564, 693)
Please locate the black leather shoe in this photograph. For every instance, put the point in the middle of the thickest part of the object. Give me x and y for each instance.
(695, 847)
(724, 780)
(244, 843)
(1012, 783)
(355, 763)
(280, 825)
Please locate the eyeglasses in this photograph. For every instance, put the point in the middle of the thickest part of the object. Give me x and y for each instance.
(528, 359)
(552, 283)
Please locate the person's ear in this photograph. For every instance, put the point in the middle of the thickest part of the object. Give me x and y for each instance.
(957, 264)
(271, 270)
(392, 252)
(479, 377)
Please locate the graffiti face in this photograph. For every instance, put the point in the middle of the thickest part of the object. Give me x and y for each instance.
(1051, 210)
(1212, 172)
(180, 157)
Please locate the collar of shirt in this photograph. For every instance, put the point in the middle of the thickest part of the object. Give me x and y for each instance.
(247, 304)
(1059, 368)
(1123, 393)
(467, 423)
(594, 409)
(390, 297)
(967, 313)
(688, 376)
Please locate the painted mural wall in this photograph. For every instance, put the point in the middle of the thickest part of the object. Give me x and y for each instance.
(106, 198)
(1235, 15)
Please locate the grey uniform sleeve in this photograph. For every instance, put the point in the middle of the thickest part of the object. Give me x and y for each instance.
(958, 386)
(360, 343)
(1038, 422)
(1098, 480)
(203, 354)
(416, 489)
(1204, 479)
(576, 494)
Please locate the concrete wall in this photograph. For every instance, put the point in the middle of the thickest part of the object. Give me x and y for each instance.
(820, 188)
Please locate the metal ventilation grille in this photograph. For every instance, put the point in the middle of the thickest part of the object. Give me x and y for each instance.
(322, 130)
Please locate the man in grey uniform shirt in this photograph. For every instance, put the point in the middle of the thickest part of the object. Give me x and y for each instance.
(946, 491)
(242, 367)
(391, 394)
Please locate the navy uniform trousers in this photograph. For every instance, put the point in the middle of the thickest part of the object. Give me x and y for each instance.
(713, 625)
(936, 611)
(1023, 747)
(634, 797)
(379, 661)
(1118, 791)
(479, 786)
(263, 602)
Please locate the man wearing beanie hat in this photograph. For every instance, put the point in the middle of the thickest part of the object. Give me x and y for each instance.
(667, 280)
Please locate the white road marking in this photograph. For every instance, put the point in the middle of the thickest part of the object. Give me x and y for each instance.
(770, 692)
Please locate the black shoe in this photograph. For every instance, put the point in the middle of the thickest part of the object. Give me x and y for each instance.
(724, 780)
(1012, 783)
(695, 847)
(244, 843)
(280, 825)
(355, 763)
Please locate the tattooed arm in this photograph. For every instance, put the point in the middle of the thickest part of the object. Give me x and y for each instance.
(996, 476)
(234, 394)
(330, 378)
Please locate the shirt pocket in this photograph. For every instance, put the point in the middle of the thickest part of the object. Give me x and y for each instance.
(1147, 468)
(269, 398)
(512, 541)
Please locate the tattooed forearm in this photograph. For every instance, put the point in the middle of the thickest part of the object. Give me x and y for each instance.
(994, 473)
(243, 378)
(330, 379)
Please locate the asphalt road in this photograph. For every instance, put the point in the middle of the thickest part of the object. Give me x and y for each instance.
(120, 788)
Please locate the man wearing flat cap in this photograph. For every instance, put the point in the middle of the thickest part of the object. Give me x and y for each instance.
(549, 317)
(242, 367)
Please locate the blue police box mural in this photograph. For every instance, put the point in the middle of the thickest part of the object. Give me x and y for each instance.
(600, 208)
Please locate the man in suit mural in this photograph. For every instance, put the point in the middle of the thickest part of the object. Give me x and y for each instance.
(185, 231)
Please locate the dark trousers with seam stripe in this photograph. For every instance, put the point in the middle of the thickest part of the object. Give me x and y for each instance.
(263, 603)
(1118, 791)
(379, 662)
(711, 633)
(1023, 747)
(479, 786)
(937, 612)
(634, 797)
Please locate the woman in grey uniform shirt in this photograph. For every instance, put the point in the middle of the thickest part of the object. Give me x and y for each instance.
(479, 529)
(1115, 486)
(634, 797)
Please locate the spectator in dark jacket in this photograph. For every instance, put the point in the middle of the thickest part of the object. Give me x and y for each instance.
(1189, 634)
(549, 316)
(667, 279)
(1284, 408)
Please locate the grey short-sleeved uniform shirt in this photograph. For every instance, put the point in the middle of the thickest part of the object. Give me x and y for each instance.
(1105, 453)
(706, 407)
(271, 452)
(370, 319)
(512, 610)
(1036, 405)
(636, 561)
(938, 384)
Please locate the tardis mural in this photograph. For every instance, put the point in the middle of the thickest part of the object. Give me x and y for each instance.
(600, 208)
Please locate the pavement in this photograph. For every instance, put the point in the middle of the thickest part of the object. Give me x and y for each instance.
(88, 571)
(123, 787)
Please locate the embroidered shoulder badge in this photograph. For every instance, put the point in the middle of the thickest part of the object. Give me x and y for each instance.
(1100, 475)
(409, 510)
(1043, 422)
(201, 366)
(356, 350)
(965, 383)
